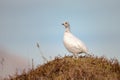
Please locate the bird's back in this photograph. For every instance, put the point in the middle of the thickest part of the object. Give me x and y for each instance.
(73, 44)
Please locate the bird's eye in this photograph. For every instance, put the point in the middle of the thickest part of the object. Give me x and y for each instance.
(65, 22)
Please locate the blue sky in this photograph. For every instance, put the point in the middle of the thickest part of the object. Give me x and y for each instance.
(23, 23)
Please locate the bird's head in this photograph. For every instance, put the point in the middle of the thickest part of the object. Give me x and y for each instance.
(66, 24)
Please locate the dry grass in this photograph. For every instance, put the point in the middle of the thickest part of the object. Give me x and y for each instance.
(68, 68)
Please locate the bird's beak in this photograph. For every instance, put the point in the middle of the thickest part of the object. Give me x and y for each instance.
(62, 23)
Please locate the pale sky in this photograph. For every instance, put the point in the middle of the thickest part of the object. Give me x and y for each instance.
(25, 22)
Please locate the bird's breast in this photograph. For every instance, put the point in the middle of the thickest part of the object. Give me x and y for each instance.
(73, 44)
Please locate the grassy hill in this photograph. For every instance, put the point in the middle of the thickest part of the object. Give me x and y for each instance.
(68, 68)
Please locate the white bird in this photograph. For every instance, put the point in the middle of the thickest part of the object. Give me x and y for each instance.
(72, 43)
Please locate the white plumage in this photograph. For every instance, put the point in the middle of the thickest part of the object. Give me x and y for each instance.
(72, 43)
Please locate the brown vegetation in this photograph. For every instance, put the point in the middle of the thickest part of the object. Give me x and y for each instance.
(68, 68)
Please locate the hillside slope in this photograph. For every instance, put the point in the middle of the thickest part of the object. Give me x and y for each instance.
(68, 68)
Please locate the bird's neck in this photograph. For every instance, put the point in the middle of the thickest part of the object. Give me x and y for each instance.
(67, 29)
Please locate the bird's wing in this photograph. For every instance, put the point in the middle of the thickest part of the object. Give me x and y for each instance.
(78, 43)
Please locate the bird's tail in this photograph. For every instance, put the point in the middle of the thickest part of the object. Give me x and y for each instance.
(89, 53)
